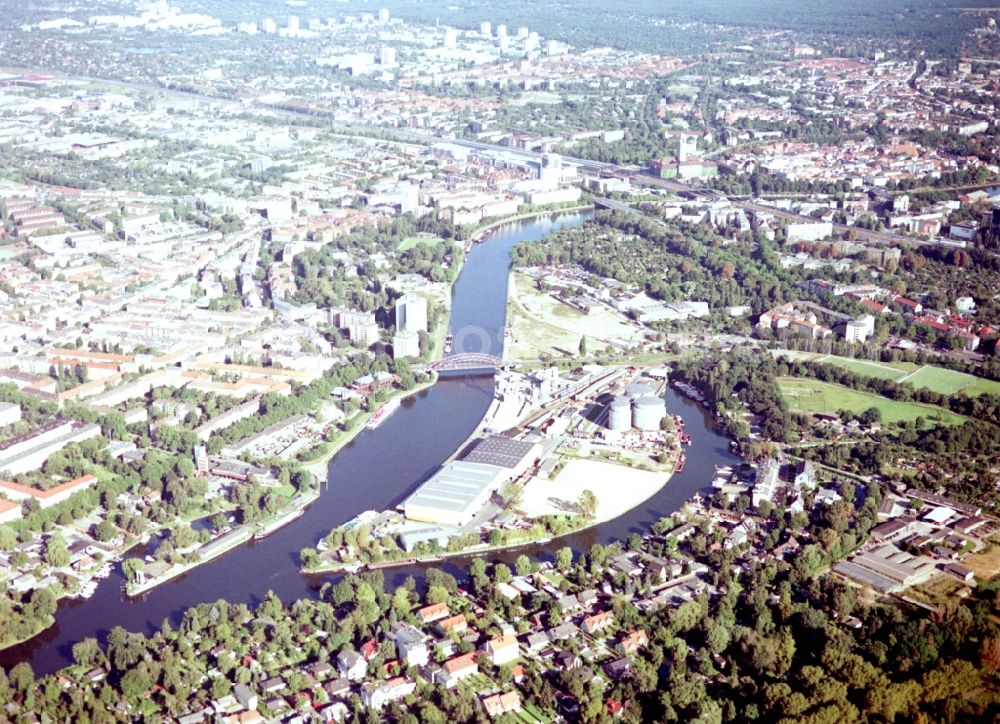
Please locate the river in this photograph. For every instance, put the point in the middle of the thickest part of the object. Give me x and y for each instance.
(374, 472)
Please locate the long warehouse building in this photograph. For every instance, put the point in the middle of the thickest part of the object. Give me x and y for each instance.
(459, 490)
(454, 494)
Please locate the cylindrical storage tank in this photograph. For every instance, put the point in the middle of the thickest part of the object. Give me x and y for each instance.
(620, 414)
(637, 390)
(647, 412)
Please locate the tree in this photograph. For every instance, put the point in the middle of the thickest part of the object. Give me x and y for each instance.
(135, 683)
(308, 557)
(185, 468)
(871, 416)
(114, 426)
(950, 679)
(564, 558)
(437, 594)
(42, 604)
(583, 346)
(401, 600)
(512, 495)
(717, 638)
(587, 503)
(501, 573)
(105, 531)
(22, 677)
(87, 652)
(184, 536)
(131, 568)
(221, 686)
(219, 522)
(8, 538)
(477, 568)
(56, 552)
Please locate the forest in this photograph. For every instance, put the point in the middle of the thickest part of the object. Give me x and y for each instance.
(752, 378)
(670, 260)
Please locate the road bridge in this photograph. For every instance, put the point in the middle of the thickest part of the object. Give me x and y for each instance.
(612, 204)
(468, 361)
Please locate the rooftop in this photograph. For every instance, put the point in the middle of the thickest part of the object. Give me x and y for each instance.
(500, 451)
(456, 486)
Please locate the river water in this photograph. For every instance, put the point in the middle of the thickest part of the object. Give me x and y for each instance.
(374, 472)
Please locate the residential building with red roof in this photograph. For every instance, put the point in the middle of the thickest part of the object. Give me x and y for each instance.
(459, 668)
(500, 704)
(632, 641)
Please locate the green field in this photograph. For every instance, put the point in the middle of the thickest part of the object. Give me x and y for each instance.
(949, 382)
(984, 387)
(813, 396)
(412, 241)
(879, 370)
(540, 97)
(926, 377)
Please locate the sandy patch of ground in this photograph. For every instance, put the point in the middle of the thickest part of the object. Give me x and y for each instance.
(544, 325)
(985, 564)
(618, 489)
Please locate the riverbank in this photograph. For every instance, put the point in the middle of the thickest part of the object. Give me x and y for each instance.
(534, 214)
(227, 541)
(551, 495)
(434, 557)
(318, 467)
(223, 544)
(39, 628)
(613, 501)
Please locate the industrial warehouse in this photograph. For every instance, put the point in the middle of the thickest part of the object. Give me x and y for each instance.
(580, 447)
(458, 491)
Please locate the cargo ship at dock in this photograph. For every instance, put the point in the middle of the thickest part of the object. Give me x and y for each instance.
(280, 522)
(289, 516)
(382, 413)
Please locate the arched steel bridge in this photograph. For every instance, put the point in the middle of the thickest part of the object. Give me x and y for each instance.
(468, 361)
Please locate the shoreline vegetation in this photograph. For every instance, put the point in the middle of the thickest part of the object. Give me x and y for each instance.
(578, 523)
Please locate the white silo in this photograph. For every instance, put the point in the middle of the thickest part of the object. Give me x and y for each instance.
(637, 390)
(620, 414)
(647, 412)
